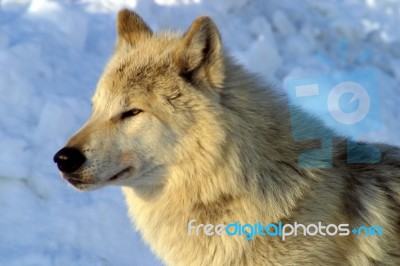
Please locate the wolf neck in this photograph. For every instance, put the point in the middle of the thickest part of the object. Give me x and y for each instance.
(258, 149)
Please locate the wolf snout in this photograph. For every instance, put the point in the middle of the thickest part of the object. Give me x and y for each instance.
(69, 159)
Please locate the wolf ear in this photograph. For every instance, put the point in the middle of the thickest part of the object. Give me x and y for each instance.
(199, 55)
(131, 28)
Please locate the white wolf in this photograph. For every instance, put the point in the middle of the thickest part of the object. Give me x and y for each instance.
(189, 134)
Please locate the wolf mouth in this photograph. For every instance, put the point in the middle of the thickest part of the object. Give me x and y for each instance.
(79, 183)
(121, 173)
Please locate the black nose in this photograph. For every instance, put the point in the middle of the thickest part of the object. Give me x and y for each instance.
(69, 159)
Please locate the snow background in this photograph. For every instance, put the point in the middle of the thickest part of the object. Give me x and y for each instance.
(52, 53)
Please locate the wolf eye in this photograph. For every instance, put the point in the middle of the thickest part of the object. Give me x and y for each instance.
(130, 113)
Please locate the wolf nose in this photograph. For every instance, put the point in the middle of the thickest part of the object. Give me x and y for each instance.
(69, 159)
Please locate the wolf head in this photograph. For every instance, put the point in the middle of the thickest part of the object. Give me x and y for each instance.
(153, 107)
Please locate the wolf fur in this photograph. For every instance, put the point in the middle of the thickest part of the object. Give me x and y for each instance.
(189, 134)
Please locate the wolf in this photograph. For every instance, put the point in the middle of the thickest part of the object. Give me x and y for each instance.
(189, 134)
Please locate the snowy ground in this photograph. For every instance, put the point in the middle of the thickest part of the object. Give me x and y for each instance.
(52, 52)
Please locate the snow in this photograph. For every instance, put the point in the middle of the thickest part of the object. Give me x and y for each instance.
(52, 53)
